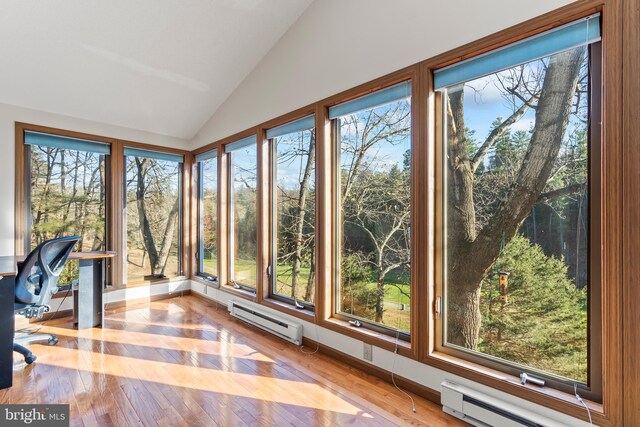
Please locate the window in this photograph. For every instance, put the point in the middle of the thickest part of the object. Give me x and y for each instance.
(243, 203)
(68, 192)
(293, 211)
(520, 163)
(373, 219)
(153, 186)
(207, 215)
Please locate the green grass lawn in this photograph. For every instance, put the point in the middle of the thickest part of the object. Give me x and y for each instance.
(397, 287)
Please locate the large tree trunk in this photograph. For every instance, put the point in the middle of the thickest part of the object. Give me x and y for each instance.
(158, 260)
(158, 265)
(471, 253)
(145, 227)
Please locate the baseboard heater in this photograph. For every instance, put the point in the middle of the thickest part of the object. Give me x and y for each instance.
(257, 316)
(480, 410)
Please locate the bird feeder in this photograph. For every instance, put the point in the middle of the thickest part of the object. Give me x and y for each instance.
(504, 285)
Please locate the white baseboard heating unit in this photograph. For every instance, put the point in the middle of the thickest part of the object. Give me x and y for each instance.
(257, 316)
(481, 410)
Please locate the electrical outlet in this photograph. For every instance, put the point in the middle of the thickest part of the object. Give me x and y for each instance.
(367, 352)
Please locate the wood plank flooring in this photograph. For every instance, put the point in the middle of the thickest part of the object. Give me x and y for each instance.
(185, 362)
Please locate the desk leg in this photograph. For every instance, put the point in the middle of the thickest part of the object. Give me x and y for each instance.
(7, 326)
(90, 310)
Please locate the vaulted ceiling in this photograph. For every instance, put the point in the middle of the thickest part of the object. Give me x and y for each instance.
(162, 66)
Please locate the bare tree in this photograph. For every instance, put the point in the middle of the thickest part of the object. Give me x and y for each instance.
(472, 250)
(157, 256)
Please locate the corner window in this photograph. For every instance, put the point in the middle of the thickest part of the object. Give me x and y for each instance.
(293, 263)
(207, 255)
(67, 194)
(153, 209)
(373, 215)
(520, 208)
(242, 221)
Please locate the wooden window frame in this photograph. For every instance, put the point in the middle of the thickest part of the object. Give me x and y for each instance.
(197, 218)
(607, 412)
(594, 390)
(243, 288)
(344, 318)
(269, 296)
(115, 201)
(425, 228)
(184, 222)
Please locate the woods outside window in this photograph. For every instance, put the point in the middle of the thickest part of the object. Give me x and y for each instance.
(68, 194)
(207, 179)
(373, 215)
(293, 193)
(520, 208)
(153, 186)
(242, 221)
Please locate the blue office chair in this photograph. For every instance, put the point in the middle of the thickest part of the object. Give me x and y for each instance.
(36, 282)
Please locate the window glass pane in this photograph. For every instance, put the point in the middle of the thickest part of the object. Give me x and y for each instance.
(294, 212)
(374, 215)
(208, 217)
(153, 212)
(68, 197)
(244, 235)
(516, 164)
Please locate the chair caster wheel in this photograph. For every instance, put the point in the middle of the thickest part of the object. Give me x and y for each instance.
(53, 341)
(30, 359)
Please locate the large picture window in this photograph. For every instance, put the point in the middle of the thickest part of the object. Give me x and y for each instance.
(153, 184)
(243, 202)
(373, 196)
(520, 163)
(68, 192)
(208, 215)
(293, 211)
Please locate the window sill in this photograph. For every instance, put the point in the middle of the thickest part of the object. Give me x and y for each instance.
(283, 307)
(251, 296)
(370, 337)
(205, 282)
(545, 396)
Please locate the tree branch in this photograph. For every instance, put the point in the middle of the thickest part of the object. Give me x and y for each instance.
(569, 189)
(496, 133)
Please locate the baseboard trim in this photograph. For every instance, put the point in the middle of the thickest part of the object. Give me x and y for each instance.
(135, 301)
(402, 382)
(376, 371)
(207, 299)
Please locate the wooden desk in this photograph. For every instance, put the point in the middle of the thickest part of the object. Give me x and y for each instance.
(8, 266)
(88, 304)
(8, 271)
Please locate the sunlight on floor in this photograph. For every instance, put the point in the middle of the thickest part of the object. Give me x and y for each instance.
(200, 345)
(236, 384)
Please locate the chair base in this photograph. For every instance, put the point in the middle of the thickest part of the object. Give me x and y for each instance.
(29, 357)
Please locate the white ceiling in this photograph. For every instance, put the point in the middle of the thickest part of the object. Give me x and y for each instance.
(161, 66)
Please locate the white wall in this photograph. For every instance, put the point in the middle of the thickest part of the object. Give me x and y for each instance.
(10, 114)
(338, 44)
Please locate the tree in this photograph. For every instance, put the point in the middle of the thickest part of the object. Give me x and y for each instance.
(296, 232)
(375, 196)
(544, 323)
(380, 207)
(473, 249)
(158, 256)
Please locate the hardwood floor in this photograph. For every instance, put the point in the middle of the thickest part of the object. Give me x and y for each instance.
(183, 362)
